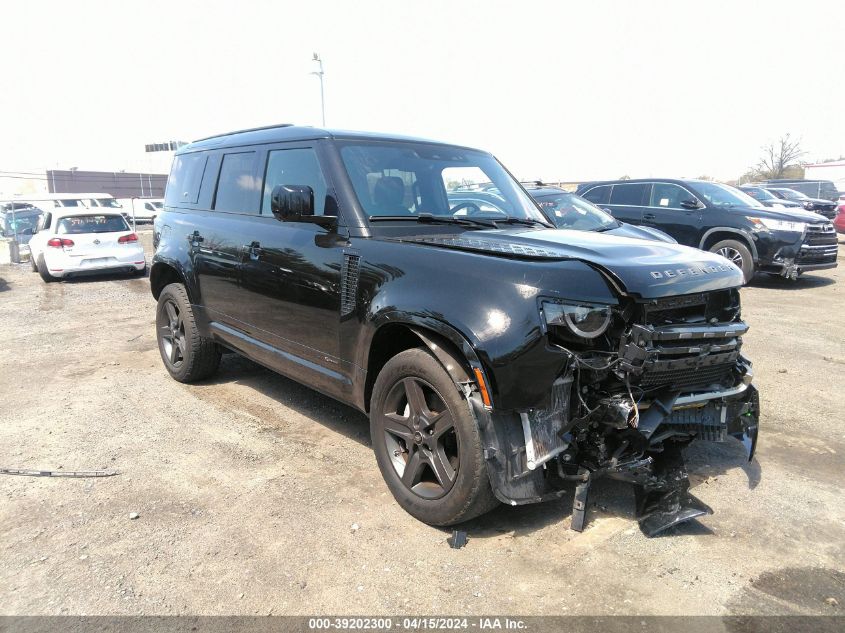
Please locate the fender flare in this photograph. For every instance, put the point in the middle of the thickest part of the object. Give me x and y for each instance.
(501, 433)
(724, 229)
(161, 262)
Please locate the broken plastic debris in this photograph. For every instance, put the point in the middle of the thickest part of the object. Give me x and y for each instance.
(458, 539)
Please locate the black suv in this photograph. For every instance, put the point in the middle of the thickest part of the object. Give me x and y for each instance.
(498, 358)
(722, 219)
(816, 205)
(821, 189)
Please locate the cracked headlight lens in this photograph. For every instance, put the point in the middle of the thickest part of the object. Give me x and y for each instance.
(584, 320)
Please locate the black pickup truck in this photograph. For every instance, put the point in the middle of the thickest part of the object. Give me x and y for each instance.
(499, 359)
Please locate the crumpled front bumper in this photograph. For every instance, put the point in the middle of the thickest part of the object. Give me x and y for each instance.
(711, 417)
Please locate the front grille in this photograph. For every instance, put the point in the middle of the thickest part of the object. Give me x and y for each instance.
(691, 378)
(721, 305)
(685, 343)
(819, 245)
(820, 235)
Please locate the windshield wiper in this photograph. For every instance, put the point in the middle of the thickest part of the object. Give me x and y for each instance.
(524, 221)
(428, 218)
(609, 227)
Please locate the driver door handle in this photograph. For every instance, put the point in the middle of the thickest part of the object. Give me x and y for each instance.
(254, 250)
(648, 216)
(195, 238)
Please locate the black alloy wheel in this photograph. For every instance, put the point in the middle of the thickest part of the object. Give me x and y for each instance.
(427, 442)
(187, 356)
(419, 434)
(171, 329)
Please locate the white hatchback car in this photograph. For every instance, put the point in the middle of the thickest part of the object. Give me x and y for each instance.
(75, 241)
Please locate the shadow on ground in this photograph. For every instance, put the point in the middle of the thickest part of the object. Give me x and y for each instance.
(773, 282)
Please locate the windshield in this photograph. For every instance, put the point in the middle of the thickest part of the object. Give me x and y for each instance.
(396, 179)
(92, 224)
(20, 222)
(760, 194)
(719, 195)
(791, 194)
(570, 211)
(158, 205)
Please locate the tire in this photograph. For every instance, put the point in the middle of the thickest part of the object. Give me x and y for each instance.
(186, 355)
(737, 253)
(32, 263)
(407, 436)
(42, 270)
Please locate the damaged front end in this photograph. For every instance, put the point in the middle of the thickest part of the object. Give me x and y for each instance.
(640, 381)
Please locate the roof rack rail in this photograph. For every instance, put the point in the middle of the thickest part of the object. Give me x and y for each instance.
(252, 129)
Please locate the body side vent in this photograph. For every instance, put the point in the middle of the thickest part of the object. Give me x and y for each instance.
(349, 283)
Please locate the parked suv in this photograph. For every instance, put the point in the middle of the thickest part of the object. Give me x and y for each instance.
(721, 219)
(823, 189)
(768, 199)
(816, 205)
(498, 358)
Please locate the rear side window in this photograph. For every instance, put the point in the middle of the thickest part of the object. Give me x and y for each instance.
(634, 194)
(297, 167)
(237, 186)
(91, 224)
(598, 195)
(183, 185)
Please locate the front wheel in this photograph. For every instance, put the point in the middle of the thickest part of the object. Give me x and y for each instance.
(737, 253)
(427, 443)
(187, 356)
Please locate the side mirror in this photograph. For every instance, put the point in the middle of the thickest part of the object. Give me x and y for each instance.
(690, 204)
(292, 203)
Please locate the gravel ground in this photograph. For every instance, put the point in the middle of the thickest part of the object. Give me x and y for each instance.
(255, 495)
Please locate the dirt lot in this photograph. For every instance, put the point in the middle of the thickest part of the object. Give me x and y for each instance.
(256, 495)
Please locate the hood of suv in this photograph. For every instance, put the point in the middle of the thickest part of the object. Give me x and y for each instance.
(648, 269)
(789, 214)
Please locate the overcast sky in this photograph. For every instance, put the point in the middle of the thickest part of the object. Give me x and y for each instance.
(557, 90)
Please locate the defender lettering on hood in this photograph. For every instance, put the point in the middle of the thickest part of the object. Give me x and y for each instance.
(695, 270)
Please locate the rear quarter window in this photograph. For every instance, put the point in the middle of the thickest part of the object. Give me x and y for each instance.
(598, 195)
(186, 174)
(634, 194)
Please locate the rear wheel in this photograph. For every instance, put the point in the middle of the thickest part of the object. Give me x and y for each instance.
(187, 356)
(427, 444)
(32, 263)
(737, 253)
(42, 270)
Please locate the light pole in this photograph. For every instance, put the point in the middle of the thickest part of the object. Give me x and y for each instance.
(319, 74)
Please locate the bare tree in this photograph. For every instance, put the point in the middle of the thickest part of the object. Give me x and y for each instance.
(777, 157)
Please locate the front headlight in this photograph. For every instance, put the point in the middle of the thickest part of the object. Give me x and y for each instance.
(768, 224)
(583, 320)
